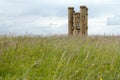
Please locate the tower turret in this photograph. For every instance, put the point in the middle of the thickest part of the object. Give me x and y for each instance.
(70, 20)
(83, 20)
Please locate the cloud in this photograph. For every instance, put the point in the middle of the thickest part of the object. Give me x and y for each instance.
(50, 16)
(99, 26)
(115, 20)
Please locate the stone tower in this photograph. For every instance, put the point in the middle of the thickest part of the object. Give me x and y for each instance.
(78, 21)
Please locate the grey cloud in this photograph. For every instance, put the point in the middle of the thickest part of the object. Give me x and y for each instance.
(22, 8)
(47, 8)
(18, 14)
(45, 11)
(46, 30)
(114, 20)
(103, 10)
(61, 29)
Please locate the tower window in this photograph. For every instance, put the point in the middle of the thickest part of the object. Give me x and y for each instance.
(78, 26)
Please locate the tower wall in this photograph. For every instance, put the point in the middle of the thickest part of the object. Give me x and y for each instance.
(76, 23)
(70, 20)
(86, 21)
(83, 20)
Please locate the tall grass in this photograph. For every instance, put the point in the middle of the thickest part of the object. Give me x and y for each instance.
(60, 58)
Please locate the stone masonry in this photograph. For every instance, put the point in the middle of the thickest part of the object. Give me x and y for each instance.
(78, 21)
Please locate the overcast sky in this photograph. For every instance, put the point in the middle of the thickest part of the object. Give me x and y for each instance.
(43, 17)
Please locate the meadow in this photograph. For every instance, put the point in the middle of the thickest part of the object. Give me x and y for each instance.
(59, 58)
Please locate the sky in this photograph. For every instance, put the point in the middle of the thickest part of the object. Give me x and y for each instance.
(49, 17)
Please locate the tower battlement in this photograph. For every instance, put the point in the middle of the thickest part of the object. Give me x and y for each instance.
(78, 21)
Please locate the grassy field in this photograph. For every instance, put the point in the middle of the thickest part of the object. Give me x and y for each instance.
(60, 58)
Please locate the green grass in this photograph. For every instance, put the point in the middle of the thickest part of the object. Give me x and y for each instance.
(60, 58)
